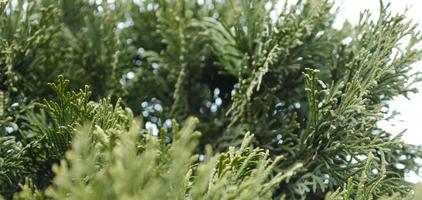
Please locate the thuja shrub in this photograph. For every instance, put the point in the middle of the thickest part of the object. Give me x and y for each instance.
(186, 99)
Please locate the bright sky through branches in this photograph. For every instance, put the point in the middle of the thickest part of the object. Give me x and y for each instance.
(411, 110)
(410, 117)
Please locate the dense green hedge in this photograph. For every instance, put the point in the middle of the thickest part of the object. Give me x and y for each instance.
(207, 99)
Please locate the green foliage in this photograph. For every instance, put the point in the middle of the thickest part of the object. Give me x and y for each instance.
(94, 45)
(48, 133)
(70, 110)
(311, 94)
(149, 167)
(26, 32)
(364, 189)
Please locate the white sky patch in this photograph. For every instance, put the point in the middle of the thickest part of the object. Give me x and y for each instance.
(130, 75)
(152, 128)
